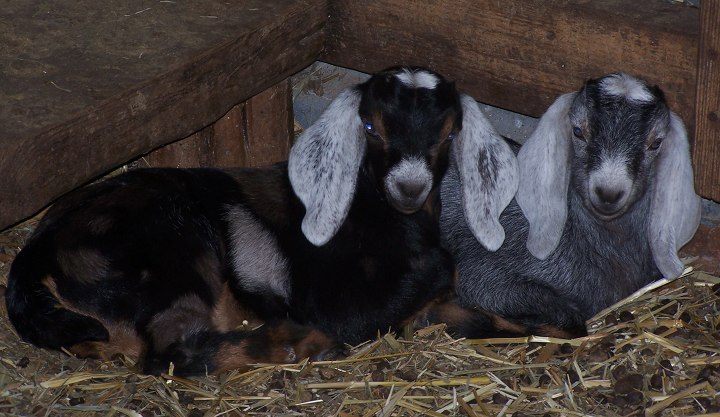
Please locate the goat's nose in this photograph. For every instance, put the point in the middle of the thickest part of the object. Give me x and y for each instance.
(411, 189)
(609, 195)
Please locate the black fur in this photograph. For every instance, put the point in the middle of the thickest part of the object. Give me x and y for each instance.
(152, 249)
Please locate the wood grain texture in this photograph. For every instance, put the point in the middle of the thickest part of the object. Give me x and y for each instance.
(258, 44)
(222, 144)
(254, 133)
(706, 152)
(521, 54)
(269, 125)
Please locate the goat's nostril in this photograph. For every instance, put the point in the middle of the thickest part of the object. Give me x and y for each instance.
(609, 196)
(411, 189)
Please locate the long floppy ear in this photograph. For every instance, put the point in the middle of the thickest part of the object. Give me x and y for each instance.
(488, 174)
(675, 209)
(324, 164)
(544, 162)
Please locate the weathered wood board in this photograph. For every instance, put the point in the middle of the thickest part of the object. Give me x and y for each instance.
(87, 86)
(254, 133)
(706, 152)
(519, 55)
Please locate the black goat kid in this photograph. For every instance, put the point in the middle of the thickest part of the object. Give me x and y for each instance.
(605, 201)
(181, 266)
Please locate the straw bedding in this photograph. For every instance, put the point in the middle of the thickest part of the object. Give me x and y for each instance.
(656, 353)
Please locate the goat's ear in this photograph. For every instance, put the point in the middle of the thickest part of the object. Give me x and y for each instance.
(544, 162)
(488, 174)
(675, 210)
(324, 164)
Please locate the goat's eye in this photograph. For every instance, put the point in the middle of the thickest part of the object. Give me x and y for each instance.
(451, 136)
(578, 133)
(370, 129)
(656, 144)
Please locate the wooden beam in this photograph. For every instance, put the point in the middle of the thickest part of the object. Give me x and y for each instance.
(706, 151)
(254, 133)
(521, 54)
(114, 97)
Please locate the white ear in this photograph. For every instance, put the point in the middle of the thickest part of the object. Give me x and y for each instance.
(544, 162)
(488, 174)
(675, 209)
(324, 164)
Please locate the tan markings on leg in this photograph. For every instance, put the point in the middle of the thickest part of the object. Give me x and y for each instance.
(290, 342)
(313, 345)
(283, 343)
(123, 337)
(186, 316)
(123, 340)
(506, 325)
(441, 311)
(552, 331)
(228, 314)
(232, 356)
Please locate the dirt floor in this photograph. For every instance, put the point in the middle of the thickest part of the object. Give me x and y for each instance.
(658, 354)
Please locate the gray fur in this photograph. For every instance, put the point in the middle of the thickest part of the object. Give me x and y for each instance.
(324, 164)
(544, 163)
(676, 209)
(561, 261)
(488, 172)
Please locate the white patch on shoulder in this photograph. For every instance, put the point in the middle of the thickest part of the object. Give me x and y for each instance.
(418, 79)
(258, 263)
(626, 86)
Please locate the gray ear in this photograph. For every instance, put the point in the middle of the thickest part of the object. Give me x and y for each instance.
(544, 162)
(488, 174)
(323, 167)
(675, 210)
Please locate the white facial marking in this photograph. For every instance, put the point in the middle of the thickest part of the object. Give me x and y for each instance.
(624, 85)
(409, 174)
(418, 79)
(258, 263)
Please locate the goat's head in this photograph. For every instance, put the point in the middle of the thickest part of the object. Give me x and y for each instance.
(400, 124)
(611, 142)
(409, 118)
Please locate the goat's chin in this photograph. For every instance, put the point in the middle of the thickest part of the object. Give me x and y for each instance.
(405, 208)
(604, 215)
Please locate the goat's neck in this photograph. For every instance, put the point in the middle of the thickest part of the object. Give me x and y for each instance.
(626, 232)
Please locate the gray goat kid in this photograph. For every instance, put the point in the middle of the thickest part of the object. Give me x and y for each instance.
(605, 201)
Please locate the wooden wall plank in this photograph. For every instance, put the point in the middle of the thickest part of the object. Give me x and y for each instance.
(275, 40)
(269, 125)
(706, 152)
(221, 144)
(254, 133)
(521, 54)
